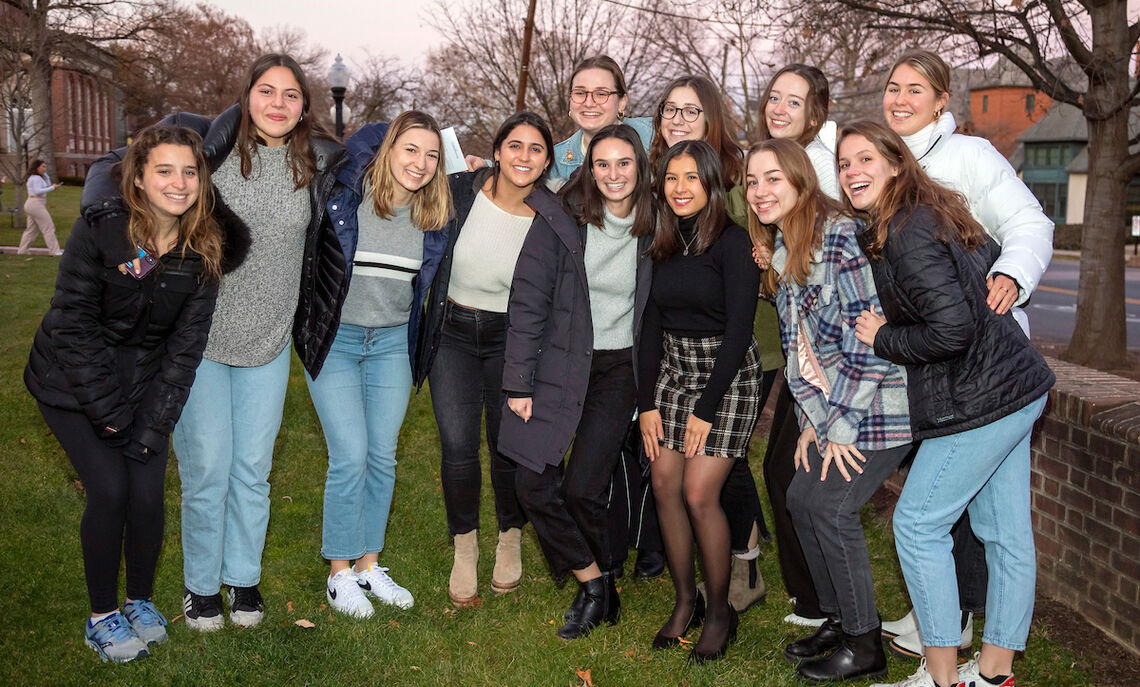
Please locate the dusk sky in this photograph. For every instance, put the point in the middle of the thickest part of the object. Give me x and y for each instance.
(384, 27)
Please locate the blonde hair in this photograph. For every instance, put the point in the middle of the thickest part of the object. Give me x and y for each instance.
(197, 229)
(431, 204)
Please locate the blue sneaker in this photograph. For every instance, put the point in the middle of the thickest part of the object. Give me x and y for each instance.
(146, 621)
(114, 640)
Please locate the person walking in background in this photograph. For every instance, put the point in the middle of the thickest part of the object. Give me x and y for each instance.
(112, 363)
(461, 350)
(389, 207)
(35, 210)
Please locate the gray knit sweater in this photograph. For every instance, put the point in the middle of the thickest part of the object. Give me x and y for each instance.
(256, 302)
(611, 270)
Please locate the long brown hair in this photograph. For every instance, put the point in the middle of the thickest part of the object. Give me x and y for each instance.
(584, 201)
(802, 230)
(931, 67)
(300, 154)
(431, 204)
(908, 190)
(718, 130)
(711, 220)
(197, 229)
(816, 105)
(34, 168)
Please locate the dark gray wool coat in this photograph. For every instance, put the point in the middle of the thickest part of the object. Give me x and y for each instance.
(550, 341)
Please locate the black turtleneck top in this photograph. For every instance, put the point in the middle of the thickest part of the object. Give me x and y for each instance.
(711, 294)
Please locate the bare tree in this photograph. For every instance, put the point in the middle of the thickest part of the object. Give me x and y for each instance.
(1100, 38)
(382, 88)
(58, 29)
(21, 125)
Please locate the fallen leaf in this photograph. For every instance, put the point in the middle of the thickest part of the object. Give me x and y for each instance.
(414, 667)
(288, 498)
(629, 653)
(289, 606)
(684, 642)
(23, 440)
(308, 625)
(584, 675)
(322, 607)
(472, 643)
(394, 623)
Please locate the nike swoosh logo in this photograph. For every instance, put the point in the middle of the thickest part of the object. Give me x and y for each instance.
(366, 586)
(332, 593)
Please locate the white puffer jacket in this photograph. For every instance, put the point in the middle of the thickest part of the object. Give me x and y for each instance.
(998, 199)
(821, 151)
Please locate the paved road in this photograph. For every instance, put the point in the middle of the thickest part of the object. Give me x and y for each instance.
(1053, 309)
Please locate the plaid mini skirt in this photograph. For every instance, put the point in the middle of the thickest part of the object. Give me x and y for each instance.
(685, 369)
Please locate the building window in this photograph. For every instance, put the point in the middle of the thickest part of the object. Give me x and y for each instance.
(985, 104)
(1030, 103)
(1054, 199)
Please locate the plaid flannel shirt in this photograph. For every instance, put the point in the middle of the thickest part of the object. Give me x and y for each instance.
(868, 403)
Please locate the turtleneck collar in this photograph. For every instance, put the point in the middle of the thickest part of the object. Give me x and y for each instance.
(688, 225)
(617, 227)
(919, 141)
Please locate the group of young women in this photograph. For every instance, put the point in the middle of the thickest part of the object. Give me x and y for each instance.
(551, 318)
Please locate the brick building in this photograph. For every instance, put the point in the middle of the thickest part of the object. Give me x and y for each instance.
(1002, 112)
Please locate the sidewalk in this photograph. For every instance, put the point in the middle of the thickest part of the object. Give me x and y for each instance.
(1130, 258)
(12, 250)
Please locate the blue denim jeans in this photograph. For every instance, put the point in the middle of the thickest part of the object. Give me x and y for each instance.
(984, 470)
(224, 444)
(361, 396)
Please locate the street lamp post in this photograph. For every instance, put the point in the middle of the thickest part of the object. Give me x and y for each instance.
(338, 83)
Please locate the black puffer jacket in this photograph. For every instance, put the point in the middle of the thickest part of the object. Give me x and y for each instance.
(966, 366)
(121, 350)
(324, 273)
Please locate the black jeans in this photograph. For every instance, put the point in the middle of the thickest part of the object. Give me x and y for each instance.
(778, 473)
(632, 508)
(739, 498)
(466, 382)
(124, 517)
(826, 517)
(569, 507)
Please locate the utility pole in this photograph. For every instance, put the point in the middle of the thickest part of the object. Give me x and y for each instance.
(524, 70)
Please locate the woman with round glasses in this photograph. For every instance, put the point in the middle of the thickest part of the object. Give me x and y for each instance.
(598, 98)
(693, 110)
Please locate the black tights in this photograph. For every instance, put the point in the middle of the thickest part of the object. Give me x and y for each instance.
(124, 516)
(688, 504)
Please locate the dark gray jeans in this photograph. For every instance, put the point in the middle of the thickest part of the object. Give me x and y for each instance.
(826, 518)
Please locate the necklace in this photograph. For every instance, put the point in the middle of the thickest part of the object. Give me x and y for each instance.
(687, 244)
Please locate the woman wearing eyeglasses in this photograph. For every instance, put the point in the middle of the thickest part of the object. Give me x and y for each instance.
(693, 110)
(598, 98)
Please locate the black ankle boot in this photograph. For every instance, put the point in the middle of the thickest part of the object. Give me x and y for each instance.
(595, 608)
(576, 605)
(857, 656)
(699, 655)
(696, 618)
(827, 637)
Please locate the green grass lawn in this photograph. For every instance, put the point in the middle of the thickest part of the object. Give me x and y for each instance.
(510, 640)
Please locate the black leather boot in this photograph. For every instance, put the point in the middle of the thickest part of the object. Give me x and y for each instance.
(827, 637)
(576, 605)
(649, 564)
(857, 656)
(595, 608)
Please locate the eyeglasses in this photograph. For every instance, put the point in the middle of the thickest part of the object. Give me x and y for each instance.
(689, 113)
(600, 95)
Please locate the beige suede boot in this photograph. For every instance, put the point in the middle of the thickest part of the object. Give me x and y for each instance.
(508, 561)
(746, 585)
(463, 587)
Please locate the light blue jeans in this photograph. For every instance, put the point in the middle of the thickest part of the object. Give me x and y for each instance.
(361, 396)
(985, 470)
(224, 444)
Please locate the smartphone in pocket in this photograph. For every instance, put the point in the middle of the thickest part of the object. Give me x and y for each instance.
(146, 263)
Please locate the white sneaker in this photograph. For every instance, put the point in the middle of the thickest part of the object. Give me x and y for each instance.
(970, 676)
(345, 596)
(921, 678)
(375, 581)
(910, 645)
(802, 621)
(903, 626)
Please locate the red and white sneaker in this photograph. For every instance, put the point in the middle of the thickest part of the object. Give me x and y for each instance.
(970, 676)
